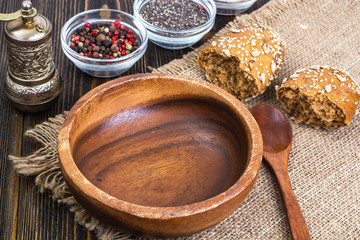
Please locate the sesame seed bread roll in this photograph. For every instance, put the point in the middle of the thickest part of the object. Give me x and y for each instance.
(320, 96)
(243, 61)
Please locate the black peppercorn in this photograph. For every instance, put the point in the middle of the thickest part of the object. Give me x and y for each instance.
(106, 43)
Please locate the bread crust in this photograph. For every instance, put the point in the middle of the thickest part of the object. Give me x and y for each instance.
(324, 84)
(256, 51)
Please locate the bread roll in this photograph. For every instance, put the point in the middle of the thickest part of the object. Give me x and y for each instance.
(320, 96)
(243, 61)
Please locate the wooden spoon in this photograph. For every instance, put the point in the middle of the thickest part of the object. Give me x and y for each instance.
(277, 136)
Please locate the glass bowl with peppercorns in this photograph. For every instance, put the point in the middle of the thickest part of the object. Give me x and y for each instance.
(176, 24)
(104, 42)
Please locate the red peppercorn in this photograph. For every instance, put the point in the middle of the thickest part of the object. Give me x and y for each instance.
(136, 47)
(114, 38)
(122, 27)
(93, 45)
(128, 36)
(107, 56)
(114, 43)
(77, 42)
(116, 33)
(72, 45)
(117, 22)
(132, 39)
(129, 31)
(111, 57)
(87, 24)
(123, 46)
(77, 38)
(85, 54)
(73, 36)
(123, 53)
(87, 41)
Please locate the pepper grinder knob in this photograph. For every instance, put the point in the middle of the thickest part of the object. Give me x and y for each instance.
(26, 6)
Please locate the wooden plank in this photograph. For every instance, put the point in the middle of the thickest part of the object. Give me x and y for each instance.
(10, 143)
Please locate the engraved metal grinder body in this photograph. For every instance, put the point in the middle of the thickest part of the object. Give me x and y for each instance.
(32, 83)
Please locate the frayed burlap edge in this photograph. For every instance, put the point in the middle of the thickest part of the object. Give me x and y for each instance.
(44, 163)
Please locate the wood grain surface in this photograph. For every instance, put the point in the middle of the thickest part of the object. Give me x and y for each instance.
(24, 212)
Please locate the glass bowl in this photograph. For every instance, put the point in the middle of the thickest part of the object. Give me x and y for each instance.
(171, 39)
(233, 7)
(104, 67)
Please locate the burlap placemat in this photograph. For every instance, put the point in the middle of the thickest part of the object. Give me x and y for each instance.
(324, 165)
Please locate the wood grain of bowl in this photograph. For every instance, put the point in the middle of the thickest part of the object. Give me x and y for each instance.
(159, 155)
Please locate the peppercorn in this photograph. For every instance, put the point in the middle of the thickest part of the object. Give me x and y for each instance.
(96, 49)
(106, 43)
(100, 37)
(112, 28)
(114, 48)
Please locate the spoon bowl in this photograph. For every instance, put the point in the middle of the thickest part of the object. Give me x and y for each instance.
(277, 140)
(274, 126)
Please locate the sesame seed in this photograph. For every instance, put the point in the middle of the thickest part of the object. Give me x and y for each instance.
(255, 53)
(235, 30)
(328, 88)
(226, 52)
(273, 67)
(294, 75)
(341, 78)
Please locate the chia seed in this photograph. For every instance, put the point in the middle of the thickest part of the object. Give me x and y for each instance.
(174, 14)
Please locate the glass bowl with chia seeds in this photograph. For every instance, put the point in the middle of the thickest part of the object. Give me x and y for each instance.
(176, 24)
(104, 42)
(233, 7)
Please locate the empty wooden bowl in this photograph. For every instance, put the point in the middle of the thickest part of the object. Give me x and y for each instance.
(159, 155)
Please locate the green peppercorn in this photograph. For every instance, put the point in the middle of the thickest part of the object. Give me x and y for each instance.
(128, 47)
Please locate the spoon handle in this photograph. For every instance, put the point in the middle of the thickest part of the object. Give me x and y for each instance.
(296, 219)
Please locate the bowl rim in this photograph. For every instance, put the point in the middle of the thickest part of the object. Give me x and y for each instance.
(176, 33)
(139, 26)
(72, 173)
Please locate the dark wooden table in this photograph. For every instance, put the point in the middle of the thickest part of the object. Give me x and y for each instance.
(24, 212)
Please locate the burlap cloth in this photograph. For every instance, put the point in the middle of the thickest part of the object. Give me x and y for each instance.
(324, 166)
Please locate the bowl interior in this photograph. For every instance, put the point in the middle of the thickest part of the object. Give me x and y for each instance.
(159, 142)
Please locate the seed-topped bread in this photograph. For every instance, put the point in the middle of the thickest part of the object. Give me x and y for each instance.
(320, 96)
(243, 61)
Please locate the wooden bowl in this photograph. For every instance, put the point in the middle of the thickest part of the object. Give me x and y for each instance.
(159, 155)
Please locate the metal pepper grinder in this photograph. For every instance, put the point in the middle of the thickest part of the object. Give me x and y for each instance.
(32, 83)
